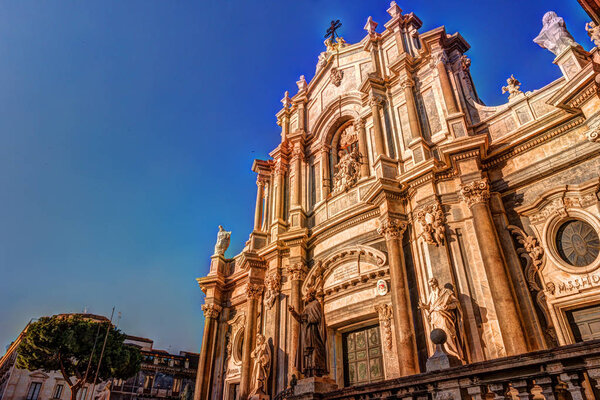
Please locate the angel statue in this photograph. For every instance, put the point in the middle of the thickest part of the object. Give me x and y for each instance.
(262, 365)
(223, 238)
(554, 35)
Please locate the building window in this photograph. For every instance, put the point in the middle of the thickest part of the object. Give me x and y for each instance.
(34, 390)
(577, 243)
(58, 389)
(363, 362)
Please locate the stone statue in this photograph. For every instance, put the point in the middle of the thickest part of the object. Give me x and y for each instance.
(262, 366)
(223, 238)
(439, 311)
(593, 31)
(554, 35)
(347, 170)
(311, 357)
(513, 87)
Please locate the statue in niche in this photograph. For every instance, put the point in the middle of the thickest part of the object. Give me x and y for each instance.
(223, 238)
(311, 357)
(347, 170)
(262, 366)
(554, 35)
(440, 310)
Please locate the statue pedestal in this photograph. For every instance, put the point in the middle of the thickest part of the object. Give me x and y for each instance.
(572, 60)
(314, 384)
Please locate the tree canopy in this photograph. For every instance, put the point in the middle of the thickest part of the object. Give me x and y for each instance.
(72, 344)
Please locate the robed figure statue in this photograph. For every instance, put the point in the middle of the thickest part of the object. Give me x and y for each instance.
(311, 357)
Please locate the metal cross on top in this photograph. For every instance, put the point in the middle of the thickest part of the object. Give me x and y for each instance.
(331, 31)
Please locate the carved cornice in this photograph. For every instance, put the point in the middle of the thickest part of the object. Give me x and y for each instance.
(211, 310)
(475, 192)
(392, 228)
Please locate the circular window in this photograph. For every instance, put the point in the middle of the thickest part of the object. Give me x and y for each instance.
(577, 243)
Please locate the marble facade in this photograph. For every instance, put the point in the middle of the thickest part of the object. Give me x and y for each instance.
(486, 200)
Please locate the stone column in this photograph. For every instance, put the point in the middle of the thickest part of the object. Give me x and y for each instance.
(301, 116)
(296, 195)
(376, 103)
(393, 230)
(359, 125)
(476, 195)
(325, 179)
(296, 275)
(258, 212)
(211, 313)
(447, 90)
(253, 293)
(411, 107)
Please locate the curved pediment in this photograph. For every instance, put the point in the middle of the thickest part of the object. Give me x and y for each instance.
(343, 266)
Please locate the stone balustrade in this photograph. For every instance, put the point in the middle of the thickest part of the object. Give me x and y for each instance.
(571, 371)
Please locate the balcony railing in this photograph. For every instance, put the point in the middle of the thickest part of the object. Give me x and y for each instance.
(571, 371)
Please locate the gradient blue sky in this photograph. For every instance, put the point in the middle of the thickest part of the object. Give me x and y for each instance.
(128, 129)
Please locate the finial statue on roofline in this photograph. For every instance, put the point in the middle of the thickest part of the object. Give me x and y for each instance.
(554, 35)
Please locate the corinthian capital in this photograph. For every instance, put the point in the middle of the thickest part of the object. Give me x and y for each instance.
(392, 228)
(475, 192)
(376, 100)
(296, 272)
(261, 180)
(253, 291)
(359, 123)
(211, 310)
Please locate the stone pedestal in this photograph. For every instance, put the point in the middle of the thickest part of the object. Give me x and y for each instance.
(572, 60)
(386, 168)
(314, 385)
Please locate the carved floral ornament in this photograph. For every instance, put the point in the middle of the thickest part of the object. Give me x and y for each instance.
(475, 192)
(593, 134)
(392, 227)
(336, 76)
(385, 319)
(211, 310)
(432, 221)
(253, 291)
(296, 272)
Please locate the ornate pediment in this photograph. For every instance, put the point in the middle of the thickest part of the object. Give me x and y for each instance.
(347, 264)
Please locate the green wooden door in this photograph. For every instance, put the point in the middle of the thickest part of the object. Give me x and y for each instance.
(585, 323)
(363, 362)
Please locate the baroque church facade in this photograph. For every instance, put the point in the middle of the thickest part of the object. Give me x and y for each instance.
(405, 205)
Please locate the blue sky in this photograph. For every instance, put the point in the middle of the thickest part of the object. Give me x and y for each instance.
(128, 129)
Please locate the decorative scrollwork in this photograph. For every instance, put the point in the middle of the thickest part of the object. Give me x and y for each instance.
(392, 228)
(211, 310)
(433, 221)
(475, 192)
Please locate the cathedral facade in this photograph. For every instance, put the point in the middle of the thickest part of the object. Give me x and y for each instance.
(404, 205)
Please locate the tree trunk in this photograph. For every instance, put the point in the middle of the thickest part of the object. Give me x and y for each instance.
(74, 391)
